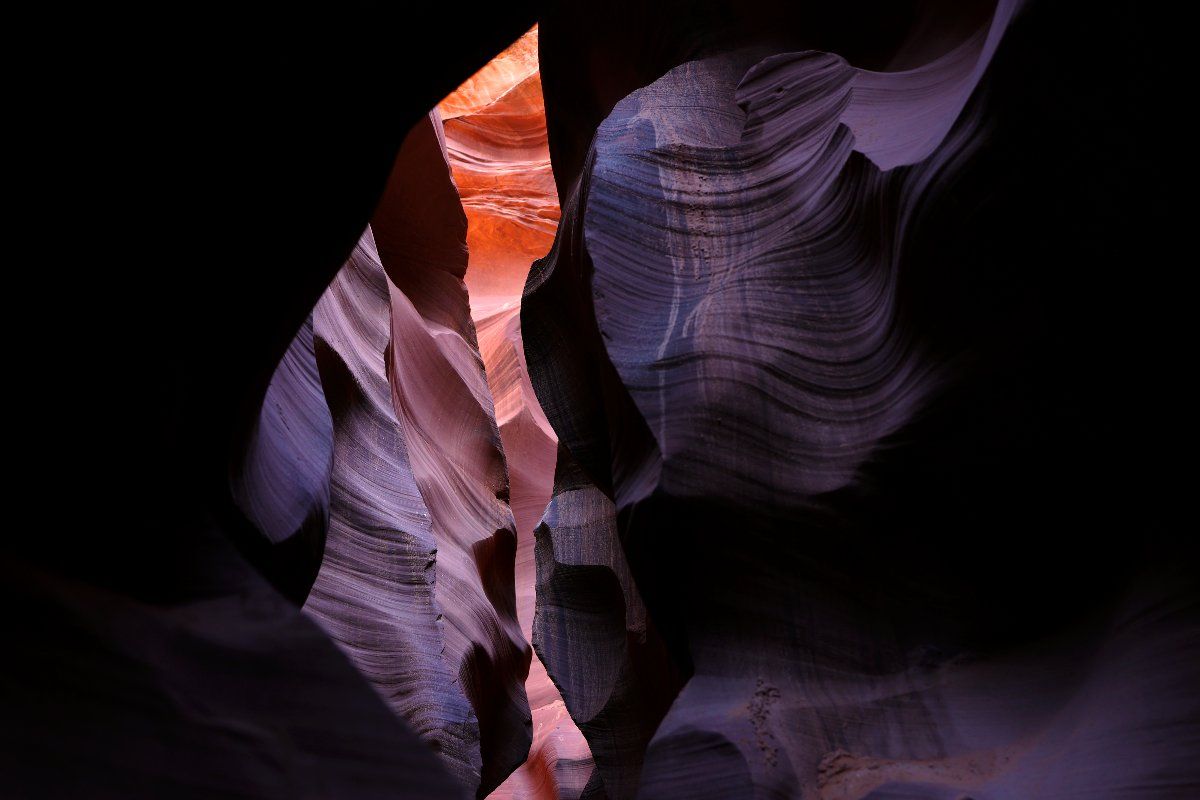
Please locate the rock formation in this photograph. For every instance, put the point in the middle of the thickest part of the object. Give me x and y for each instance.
(496, 137)
(153, 658)
(774, 434)
(817, 455)
(417, 580)
(282, 483)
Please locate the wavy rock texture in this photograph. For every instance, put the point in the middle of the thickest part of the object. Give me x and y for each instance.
(591, 628)
(851, 338)
(416, 583)
(782, 246)
(496, 137)
(767, 427)
(592, 631)
(150, 658)
(282, 484)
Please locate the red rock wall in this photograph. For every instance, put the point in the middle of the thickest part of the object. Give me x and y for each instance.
(854, 350)
(416, 584)
(496, 137)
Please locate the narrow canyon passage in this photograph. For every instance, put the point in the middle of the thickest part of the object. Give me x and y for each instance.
(700, 400)
(495, 127)
(442, 460)
(721, 338)
(404, 407)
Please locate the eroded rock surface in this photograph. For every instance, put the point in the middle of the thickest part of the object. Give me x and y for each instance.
(850, 352)
(496, 138)
(417, 581)
(803, 428)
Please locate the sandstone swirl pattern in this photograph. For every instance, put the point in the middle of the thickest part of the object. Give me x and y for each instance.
(496, 138)
(282, 482)
(749, 393)
(416, 583)
(746, 260)
(741, 249)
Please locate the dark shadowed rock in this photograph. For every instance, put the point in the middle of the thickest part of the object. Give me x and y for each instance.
(802, 335)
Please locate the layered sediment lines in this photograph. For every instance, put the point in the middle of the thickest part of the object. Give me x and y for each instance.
(752, 582)
(282, 482)
(425, 456)
(772, 456)
(496, 138)
(811, 458)
(150, 658)
(416, 581)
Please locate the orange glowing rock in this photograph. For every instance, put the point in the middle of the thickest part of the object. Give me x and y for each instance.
(495, 127)
(496, 135)
(509, 68)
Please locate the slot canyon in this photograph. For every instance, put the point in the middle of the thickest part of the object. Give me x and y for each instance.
(638, 401)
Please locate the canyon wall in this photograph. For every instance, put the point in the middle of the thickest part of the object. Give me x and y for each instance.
(496, 138)
(163, 653)
(815, 490)
(816, 454)
(417, 579)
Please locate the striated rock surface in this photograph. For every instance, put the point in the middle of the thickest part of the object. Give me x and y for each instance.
(593, 634)
(591, 628)
(282, 483)
(811, 417)
(150, 658)
(857, 362)
(375, 591)
(752, 247)
(416, 584)
(496, 137)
